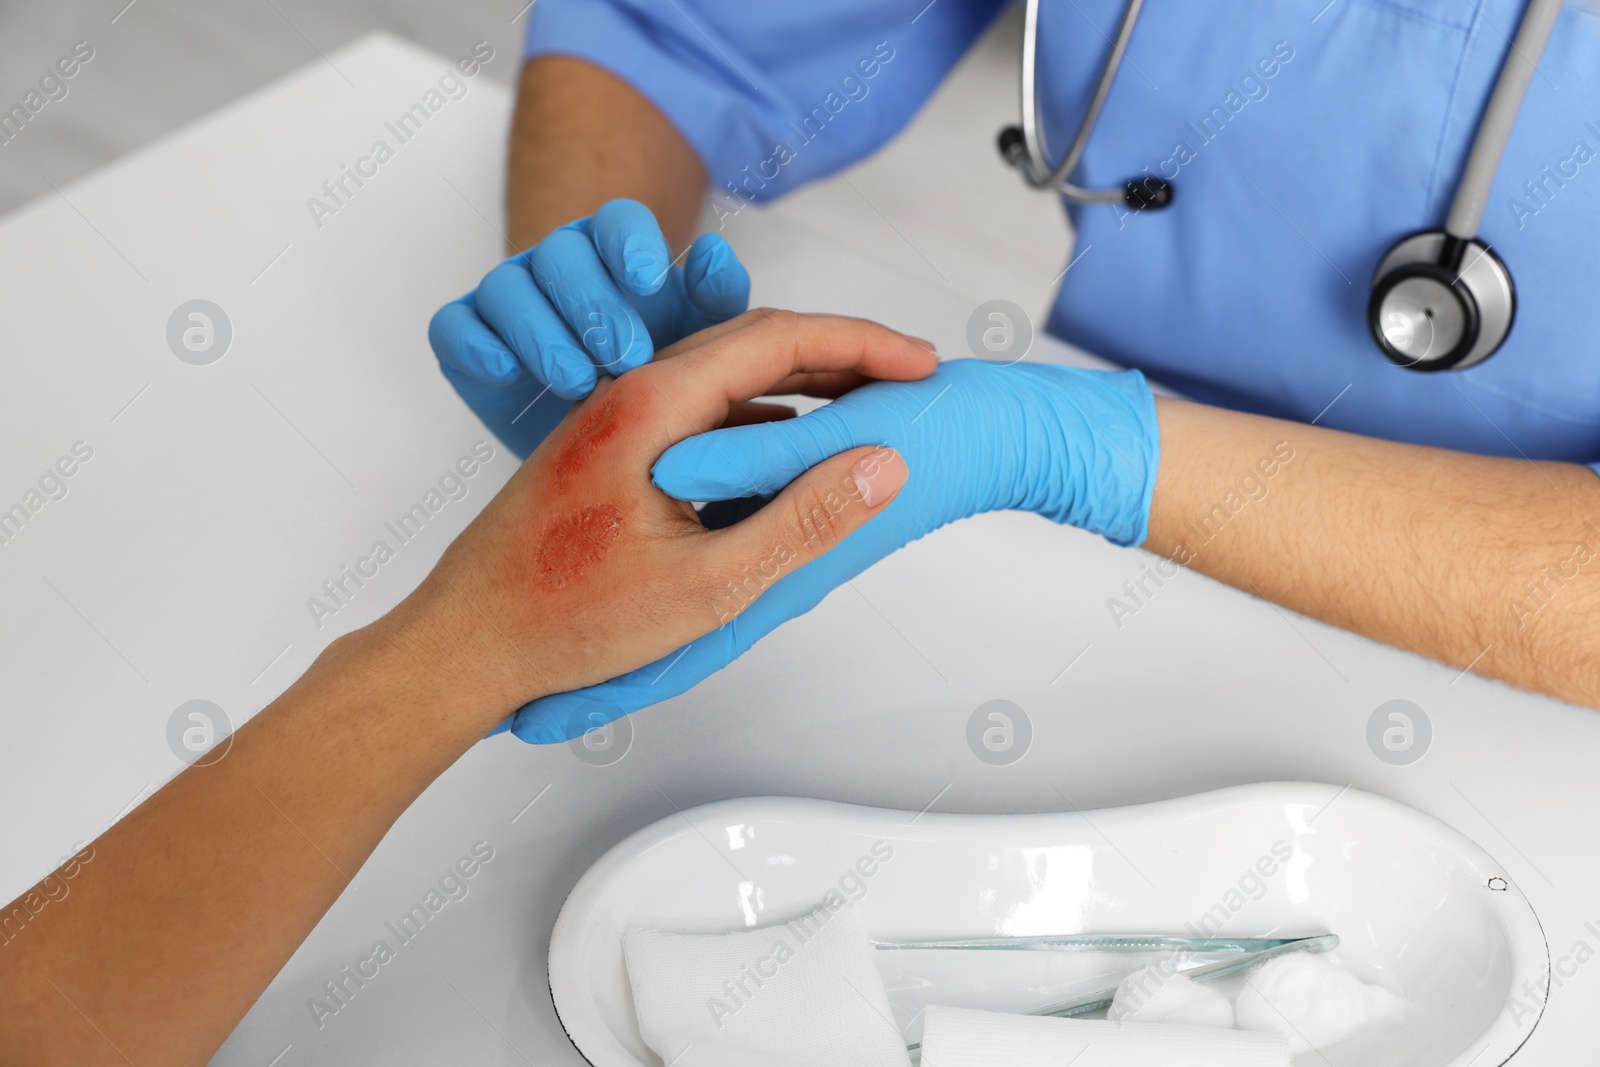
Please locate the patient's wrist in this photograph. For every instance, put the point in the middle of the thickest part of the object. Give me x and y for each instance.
(431, 669)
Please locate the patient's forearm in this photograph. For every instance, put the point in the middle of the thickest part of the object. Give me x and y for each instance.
(582, 136)
(1465, 559)
(186, 909)
(578, 571)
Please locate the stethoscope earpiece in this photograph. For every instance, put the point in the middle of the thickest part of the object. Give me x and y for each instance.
(1023, 147)
(1013, 145)
(1146, 193)
(1141, 194)
(1440, 303)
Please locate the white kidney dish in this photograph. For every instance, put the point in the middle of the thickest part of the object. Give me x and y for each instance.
(1419, 908)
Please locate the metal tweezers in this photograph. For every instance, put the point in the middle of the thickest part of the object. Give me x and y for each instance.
(1250, 952)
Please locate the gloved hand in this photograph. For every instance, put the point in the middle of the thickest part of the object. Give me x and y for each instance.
(1075, 446)
(597, 296)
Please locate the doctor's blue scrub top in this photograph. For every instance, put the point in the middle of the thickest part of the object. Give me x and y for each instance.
(1303, 139)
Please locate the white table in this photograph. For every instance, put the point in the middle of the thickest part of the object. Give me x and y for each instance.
(220, 497)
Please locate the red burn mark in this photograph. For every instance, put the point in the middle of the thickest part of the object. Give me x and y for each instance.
(593, 430)
(573, 542)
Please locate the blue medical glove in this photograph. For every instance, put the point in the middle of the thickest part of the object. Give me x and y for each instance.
(597, 296)
(1076, 446)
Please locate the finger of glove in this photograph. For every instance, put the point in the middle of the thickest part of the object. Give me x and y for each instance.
(510, 302)
(567, 269)
(463, 342)
(756, 460)
(631, 246)
(563, 716)
(716, 284)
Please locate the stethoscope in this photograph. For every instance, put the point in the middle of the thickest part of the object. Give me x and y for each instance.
(1440, 300)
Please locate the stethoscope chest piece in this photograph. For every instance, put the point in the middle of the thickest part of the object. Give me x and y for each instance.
(1440, 303)
(1440, 299)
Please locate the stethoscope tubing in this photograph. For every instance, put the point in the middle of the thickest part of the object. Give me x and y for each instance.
(1477, 176)
(1035, 168)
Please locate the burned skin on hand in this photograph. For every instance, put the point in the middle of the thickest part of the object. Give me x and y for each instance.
(595, 427)
(576, 541)
(578, 533)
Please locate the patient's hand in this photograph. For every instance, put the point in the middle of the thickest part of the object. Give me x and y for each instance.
(578, 570)
(581, 569)
(1075, 446)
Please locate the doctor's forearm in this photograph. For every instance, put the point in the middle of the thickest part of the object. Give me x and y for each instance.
(582, 136)
(1465, 559)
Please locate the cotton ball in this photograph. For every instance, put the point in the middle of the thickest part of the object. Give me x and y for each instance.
(1158, 994)
(1312, 1001)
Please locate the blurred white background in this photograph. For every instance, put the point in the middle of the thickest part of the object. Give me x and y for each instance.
(937, 202)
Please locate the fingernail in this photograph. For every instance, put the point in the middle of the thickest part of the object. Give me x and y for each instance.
(643, 266)
(599, 337)
(496, 364)
(921, 343)
(713, 268)
(879, 476)
(567, 377)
